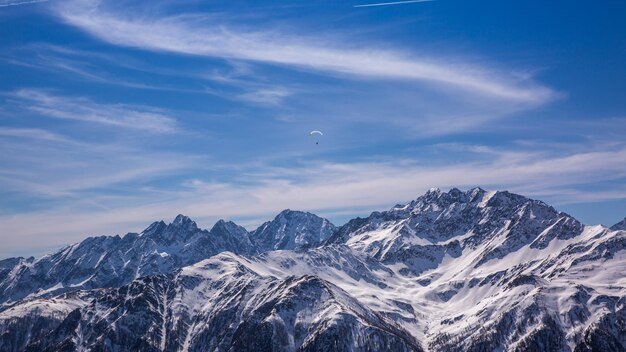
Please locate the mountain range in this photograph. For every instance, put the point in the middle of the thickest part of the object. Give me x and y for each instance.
(460, 270)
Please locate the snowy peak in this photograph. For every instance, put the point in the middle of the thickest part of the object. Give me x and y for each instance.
(435, 200)
(439, 216)
(619, 226)
(292, 230)
(178, 231)
(229, 227)
(436, 196)
(155, 227)
(444, 223)
(111, 261)
(232, 237)
(185, 222)
(182, 225)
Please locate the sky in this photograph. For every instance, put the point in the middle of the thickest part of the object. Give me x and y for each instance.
(115, 114)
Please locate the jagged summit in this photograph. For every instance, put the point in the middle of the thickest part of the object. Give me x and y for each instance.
(500, 221)
(292, 214)
(156, 226)
(292, 230)
(183, 221)
(473, 195)
(435, 199)
(180, 224)
(223, 225)
(111, 261)
(180, 230)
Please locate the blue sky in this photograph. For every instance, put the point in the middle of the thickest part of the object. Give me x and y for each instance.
(114, 114)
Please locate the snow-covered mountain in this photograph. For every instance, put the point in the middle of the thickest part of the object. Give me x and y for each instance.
(422, 233)
(449, 271)
(112, 261)
(223, 303)
(292, 230)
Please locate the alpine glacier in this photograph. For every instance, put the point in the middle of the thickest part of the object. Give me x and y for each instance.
(449, 271)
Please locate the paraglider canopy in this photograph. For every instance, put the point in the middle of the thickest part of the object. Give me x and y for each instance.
(316, 134)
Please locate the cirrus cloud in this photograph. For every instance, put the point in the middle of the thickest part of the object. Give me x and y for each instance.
(207, 35)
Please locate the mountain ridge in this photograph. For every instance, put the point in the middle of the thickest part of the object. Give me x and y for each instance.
(112, 261)
(448, 271)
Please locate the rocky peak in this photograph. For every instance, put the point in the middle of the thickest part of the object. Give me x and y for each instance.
(184, 222)
(506, 199)
(474, 216)
(155, 227)
(292, 230)
(181, 230)
(229, 227)
(289, 214)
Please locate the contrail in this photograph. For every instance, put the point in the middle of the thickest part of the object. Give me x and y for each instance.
(391, 3)
(22, 3)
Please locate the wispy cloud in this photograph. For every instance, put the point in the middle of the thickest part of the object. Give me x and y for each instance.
(76, 164)
(34, 133)
(266, 96)
(54, 170)
(242, 84)
(207, 36)
(45, 166)
(86, 110)
(85, 72)
(333, 188)
(392, 3)
(18, 3)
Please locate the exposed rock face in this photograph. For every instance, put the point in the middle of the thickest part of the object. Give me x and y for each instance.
(292, 230)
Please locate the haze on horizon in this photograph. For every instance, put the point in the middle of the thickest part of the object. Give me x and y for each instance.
(114, 114)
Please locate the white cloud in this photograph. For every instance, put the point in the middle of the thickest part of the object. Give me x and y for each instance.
(46, 166)
(418, 95)
(33, 133)
(85, 110)
(207, 36)
(327, 189)
(391, 3)
(7, 3)
(266, 96)
(113, 188)
(65, 173)
(94, 67)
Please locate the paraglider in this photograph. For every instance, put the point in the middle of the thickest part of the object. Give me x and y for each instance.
(317, 135)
